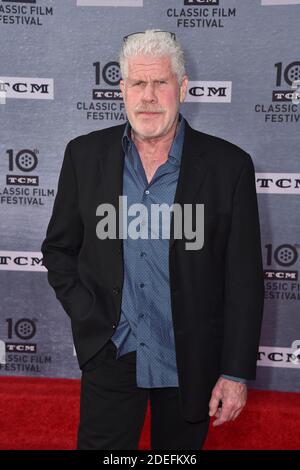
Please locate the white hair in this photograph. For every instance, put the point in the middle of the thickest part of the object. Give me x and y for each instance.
(156, 43)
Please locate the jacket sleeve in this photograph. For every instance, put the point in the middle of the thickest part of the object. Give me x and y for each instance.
(63, 241)
(244, 281)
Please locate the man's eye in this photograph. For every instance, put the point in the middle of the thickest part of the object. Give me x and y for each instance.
(162, 82)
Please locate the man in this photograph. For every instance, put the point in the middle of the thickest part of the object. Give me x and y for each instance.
(150, 317)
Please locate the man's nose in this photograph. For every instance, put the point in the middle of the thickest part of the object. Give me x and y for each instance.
(149, 92)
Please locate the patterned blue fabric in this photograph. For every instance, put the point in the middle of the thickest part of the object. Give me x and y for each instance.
(146, 318)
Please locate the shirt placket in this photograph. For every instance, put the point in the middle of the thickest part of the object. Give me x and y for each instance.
(146, 374)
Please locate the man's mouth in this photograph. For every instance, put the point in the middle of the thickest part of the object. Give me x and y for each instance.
(149, 113)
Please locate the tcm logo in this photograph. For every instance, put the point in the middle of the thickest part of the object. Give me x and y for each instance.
(285, 256)
(280, 2)
(280, 357)
(209, 92)
(28, 88)
(287, 75)
(24, 160)
(201, 2)
(107, 74)
(23, 329)
(278, 183)
(21, 261)
(110, 3)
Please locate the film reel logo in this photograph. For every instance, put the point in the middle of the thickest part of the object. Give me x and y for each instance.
(24, 328)
(25, 161)
(110, 75)
(287, 75)
(285, 255)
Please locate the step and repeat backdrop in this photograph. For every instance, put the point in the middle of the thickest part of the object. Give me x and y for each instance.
(59, 78)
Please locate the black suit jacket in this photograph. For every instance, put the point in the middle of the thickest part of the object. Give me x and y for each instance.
(217, 292)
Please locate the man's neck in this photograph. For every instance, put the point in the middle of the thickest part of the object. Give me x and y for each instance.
(155, 149)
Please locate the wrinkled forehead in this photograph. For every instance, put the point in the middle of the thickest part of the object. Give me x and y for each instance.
(151, 66)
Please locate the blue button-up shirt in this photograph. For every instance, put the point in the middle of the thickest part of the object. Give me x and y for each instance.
(146, 318)
(145, 324)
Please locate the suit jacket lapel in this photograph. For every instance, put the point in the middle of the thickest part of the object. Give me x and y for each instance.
(191, 175)
(111, 163)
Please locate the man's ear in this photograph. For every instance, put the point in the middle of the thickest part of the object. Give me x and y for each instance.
(183, 88)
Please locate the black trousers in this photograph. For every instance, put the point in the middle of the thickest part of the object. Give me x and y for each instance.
(112, 409)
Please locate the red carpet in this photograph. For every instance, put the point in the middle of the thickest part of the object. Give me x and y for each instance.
(43, 414)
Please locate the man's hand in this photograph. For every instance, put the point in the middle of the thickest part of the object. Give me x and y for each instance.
(233, 396)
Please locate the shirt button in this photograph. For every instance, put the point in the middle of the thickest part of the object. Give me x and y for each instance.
(114, 326)
(116, 290)
(143, 254)
(142, 344)
(141, 315)
(147, 191)
(142, 285)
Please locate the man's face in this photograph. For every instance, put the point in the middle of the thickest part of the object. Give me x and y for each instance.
(152, 95)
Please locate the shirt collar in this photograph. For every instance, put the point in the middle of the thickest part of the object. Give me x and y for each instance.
(176, 147)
